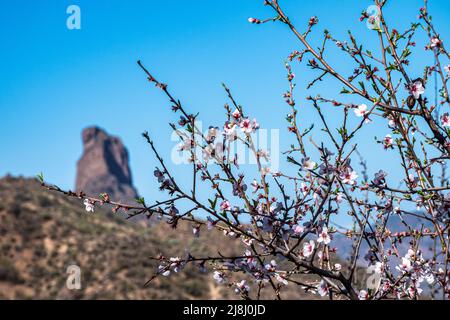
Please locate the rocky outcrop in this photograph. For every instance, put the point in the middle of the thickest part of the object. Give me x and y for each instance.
(104, 166)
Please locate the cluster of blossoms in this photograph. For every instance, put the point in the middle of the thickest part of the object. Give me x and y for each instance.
(416, 270)
(165, 182)
(174, 264)
(246, 125)
(250, 266)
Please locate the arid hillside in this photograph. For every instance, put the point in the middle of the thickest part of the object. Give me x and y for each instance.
(42, 233)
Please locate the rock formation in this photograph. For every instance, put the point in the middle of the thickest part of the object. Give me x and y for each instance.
(103, 167)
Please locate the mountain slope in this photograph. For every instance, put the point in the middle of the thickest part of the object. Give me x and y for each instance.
(42, 233)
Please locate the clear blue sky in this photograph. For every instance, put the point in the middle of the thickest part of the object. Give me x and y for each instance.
(55, 81)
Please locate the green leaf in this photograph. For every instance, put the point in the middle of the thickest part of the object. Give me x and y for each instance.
(292, 160)
(392, 67)
(40, 177)
(140, 201)
(213, 203)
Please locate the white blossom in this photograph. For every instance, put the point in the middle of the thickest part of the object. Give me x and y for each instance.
(308, 248)
(447, 69)
(445, 120)
(363, 295)
(281, 279)
(322, 289)
(435, 42)
(349, 177)
(219, 277)
(416, 89)
(89, 205)
(298, 229)
(387, 141)
(242, 287)
(361, 110)
(324, 236)
(236, 114)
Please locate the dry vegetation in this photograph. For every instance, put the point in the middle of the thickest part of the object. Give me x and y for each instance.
(41, 233)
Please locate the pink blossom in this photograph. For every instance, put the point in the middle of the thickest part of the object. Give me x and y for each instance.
(247, 241)
(308, 164)
(445, 120)
(219, 277)
(281, 279)
(246, 126)
(322, 289)
(271, 267)
(308, 248)
(313, 20)
(213, 132)
(236, 114)
(363, 295)
(304, 189)
(413, 291)
(230, 130)
(225, 206)
(231, 234)
(242, 287)
(349, 177)
(435, 42)
(416, 89)
(249, 255)
(387, 141)
(298, 229)
(405, 266)
(324, 236)
(254, 20)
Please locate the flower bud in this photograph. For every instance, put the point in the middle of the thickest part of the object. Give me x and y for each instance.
(410, 101)
(254, 20)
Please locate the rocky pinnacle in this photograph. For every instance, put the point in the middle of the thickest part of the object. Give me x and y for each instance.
(104, 167)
